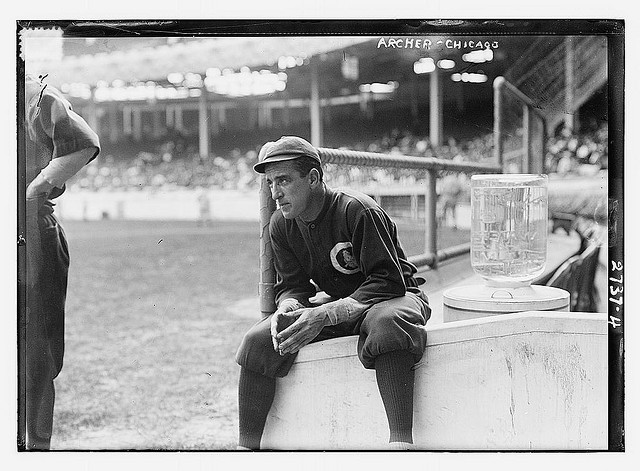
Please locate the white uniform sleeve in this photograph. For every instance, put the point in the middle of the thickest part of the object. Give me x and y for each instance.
(60, 169)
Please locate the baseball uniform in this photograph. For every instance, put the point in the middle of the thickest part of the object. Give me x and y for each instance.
(350, 249)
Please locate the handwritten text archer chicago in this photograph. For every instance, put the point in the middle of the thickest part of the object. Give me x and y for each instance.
(425, 43)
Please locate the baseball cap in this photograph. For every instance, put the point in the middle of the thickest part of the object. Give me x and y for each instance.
(286, 148)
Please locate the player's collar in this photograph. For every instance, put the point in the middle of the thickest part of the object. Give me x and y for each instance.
(327, 197)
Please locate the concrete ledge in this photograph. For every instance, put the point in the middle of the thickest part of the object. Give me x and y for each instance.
(522, 381)
(474, 329)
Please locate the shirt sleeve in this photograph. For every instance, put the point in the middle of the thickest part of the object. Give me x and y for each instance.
(292, 280)
(64, 167)
(374, 248)
(67, 130)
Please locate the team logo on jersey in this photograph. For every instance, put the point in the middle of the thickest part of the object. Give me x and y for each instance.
(343, 260)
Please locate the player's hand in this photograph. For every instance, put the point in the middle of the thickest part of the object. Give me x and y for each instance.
(38, 190)
(279, 321)
(308, 323)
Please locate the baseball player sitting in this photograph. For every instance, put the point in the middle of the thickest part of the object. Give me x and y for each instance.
(346, 244)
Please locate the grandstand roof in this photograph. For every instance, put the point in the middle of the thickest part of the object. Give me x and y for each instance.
(134, 60)
(91, 60)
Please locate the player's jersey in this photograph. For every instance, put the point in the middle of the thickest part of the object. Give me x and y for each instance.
(52, 129)
(351, 249)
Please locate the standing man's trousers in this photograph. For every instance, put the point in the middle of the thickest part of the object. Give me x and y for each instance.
(47, 272)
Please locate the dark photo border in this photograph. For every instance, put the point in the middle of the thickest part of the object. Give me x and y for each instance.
(614, 30)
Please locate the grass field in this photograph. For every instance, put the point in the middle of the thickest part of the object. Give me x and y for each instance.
(155, 312)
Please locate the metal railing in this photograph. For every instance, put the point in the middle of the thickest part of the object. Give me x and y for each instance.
(532, 149)
(431, 255)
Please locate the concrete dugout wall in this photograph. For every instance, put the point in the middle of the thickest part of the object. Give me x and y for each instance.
(526, 381)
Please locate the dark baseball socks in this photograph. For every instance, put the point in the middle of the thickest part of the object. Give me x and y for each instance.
(255, 396)
(395, 376)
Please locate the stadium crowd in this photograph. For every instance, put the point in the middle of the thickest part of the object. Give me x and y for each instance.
(399, 142)
(175, 163)
(583, 154)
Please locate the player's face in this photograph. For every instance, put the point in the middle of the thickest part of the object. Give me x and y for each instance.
(290, 190)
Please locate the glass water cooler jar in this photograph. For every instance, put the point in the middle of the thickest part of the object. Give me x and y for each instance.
(509, 226)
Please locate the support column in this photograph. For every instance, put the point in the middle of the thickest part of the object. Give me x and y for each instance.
(569, 83)
(254, 117)
(126, 120)
(113, 122)
(137, 124)
(222, 115)
(286, 114)
(314, 107)
(203, 125)
(415, 114)
(526, 140)
(178, 118)
(365, 106)
(435, 108)
(218, 117)
(268, 112)
(214, 116)
(92, 113)
(498, 84)
(459, 91)
(265, 120)
(157, 127)
(431, 223)
(170, 116)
